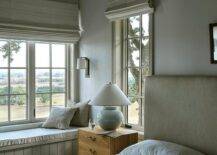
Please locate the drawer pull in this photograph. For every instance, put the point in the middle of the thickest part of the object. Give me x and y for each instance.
(92, 151)
(92, 138)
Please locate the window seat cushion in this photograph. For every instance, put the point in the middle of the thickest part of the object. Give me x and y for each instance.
(37, 136)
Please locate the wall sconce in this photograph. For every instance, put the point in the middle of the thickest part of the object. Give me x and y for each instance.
(84, 63)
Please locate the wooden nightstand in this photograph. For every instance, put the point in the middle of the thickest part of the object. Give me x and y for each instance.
(93, 142)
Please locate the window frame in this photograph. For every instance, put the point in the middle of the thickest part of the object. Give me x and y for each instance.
(125, 67)
(30, 81)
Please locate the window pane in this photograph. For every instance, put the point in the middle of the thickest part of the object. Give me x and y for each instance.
(134, 26)
(145, 24)
(42, 80)
(18, 107)
(3, 81)
(18, 81)
(58, 80)
(18, 54)
(58, 55)
(4, 53)
(133, 111)
(42, 105)
(42, 55)
(3, 109)
(133, 52)
(133, 81)
(58, 100)
(145, 53)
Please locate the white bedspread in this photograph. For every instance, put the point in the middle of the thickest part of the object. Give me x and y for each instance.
(154, 147)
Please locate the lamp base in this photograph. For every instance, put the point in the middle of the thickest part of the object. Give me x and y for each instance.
(110, 118)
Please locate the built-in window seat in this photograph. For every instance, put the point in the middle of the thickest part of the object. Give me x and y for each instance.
(46, 141)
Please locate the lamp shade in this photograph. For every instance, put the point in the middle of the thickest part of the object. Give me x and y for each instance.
(110, 95)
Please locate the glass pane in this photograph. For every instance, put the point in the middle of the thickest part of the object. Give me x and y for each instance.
(145, 24)
(133, 112)
(133, 52)
(58, 100)
(42, 105)
(133, 81)
(18, 81)
(3, 109)
(4, 53)
(18, 54)
(42, 55)
(58, 80)
(145, 52)
(3, 81)
(18, 107)
(58, 55)
(134, 26)
(42, 78)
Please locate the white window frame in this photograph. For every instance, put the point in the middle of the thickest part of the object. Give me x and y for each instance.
(119, 62)
(30, 80)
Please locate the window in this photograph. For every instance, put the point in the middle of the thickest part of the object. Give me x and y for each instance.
(13, 83)
(31, 72)
(50, 71)
(137, 64)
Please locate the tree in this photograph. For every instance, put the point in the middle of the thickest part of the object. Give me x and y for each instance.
(9, 48)
(135, 45)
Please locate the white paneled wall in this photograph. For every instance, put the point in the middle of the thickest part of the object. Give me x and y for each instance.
(60, 148)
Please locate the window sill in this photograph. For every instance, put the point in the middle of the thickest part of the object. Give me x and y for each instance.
(20, 127)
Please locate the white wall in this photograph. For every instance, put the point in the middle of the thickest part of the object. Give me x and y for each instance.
(181, 40)
(96, 45)
(182, 36)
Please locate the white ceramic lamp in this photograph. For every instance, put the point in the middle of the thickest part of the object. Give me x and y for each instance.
(110, 96)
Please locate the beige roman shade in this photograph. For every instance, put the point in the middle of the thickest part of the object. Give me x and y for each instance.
(41, 20)
(120, 9)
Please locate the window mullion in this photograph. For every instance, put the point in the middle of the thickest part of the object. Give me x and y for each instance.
(50, 59)
(9, 85)
(31, 80)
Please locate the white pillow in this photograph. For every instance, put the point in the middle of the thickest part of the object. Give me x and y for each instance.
(59, 118)
(155, 147)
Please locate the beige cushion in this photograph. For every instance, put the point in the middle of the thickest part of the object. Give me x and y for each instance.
(59, 118)
(81, 116)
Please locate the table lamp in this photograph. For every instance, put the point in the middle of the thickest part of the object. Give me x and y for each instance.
(110, 96)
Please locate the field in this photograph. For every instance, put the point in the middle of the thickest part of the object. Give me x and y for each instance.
(18, 112)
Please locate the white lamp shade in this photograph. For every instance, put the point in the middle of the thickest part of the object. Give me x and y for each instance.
(82, 63)
(110, 95)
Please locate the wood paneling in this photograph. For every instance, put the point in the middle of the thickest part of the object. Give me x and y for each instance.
(60, 148)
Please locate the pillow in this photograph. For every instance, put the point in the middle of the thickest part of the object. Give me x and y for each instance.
(81, 117)
(59, 118)
(155, 147)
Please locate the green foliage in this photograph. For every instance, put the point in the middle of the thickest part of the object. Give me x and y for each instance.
(44, 98)
(9, 48)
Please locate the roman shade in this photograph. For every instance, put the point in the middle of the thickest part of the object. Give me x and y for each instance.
(42, 20)
(120, 9)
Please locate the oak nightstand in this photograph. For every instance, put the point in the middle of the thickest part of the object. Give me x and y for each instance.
(100, 142)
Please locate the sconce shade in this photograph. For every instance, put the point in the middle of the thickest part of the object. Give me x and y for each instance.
(82, 63)
(110, 95)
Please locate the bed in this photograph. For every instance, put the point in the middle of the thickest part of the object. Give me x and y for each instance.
(181, 110)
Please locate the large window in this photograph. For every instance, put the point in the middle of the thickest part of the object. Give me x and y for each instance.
(33, 78)
(137, 65)
(50, 76)
(13, 81)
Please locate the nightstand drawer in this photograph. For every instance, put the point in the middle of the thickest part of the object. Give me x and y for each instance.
(93, 139)
(87, 149)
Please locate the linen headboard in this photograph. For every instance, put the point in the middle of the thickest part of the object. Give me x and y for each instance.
(182, 109)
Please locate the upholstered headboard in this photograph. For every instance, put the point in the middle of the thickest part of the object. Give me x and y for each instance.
(182, 110)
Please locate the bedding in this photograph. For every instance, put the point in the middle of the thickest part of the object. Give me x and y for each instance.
(156, 147)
